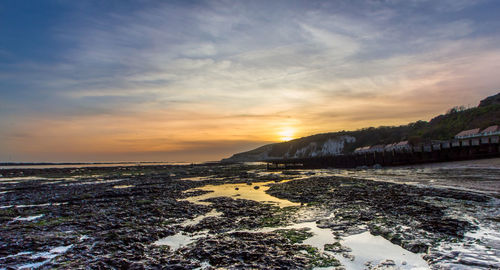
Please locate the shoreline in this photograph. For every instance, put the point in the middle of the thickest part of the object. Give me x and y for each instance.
(113, 216)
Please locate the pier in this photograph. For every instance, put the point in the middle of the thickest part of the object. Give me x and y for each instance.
(443, 151)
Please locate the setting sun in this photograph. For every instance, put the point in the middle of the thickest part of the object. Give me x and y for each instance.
(287, 134)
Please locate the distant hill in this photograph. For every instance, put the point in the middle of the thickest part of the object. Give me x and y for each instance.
(442, 127)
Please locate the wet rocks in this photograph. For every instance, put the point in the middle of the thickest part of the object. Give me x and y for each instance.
(337, 248)
(396, 203)
(335, 224)
(417, 246)
(115, 228)
(118, 224)
(253, 250)
(294, 235)
(450, 226)
(388, 263)
(416, 218)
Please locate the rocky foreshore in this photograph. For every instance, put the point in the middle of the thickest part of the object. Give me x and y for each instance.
(108, 218)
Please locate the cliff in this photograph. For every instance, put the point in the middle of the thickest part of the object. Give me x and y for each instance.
(441, 127)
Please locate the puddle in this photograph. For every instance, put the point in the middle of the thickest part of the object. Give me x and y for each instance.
(196, 220)
(376, 249)
(318, 240)
(182, 239)
(31, 205)
(41, 258)
(366, 248)
(93, 182)
(123, 186)
(179, 240)
(240, 191)
(16, 255)
(201, 178)
(21, 178)
(196, 178)
(61, 249)
(30, 218)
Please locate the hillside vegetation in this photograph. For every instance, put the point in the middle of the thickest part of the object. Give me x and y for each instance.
(442, 127)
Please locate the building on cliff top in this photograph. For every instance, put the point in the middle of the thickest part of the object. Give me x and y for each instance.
(403, 145)
(468, 133)
(377, 148)
(364, 149)
(491, 130)
(471, 133)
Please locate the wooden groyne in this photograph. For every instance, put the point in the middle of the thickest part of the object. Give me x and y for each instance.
(476, 148)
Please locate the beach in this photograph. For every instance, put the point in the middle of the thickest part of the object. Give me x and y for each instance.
(243, 216)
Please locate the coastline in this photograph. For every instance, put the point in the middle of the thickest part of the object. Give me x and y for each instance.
(114, 216)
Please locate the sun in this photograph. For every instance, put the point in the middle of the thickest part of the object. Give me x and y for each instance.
(286, 134)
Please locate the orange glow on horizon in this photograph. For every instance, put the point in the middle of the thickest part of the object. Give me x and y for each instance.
(287, 134)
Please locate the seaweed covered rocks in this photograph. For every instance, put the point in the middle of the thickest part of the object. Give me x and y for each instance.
(414, 217)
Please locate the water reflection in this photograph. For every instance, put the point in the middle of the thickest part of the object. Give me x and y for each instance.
(366, 248)
(376, 250)
(123, 186)
(179, 240)
(254, 192)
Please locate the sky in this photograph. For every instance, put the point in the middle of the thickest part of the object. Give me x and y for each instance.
(201, 80)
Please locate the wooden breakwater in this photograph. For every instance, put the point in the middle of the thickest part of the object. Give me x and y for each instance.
(477, 148)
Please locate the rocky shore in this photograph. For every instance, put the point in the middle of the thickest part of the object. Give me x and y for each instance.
(108, 218)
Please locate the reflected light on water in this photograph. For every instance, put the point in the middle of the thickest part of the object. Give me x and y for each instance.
(240, 191)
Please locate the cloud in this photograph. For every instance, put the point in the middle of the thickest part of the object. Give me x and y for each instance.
(454, 5)
(159, 78)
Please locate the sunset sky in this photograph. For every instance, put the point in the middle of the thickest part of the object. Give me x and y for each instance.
(201, 80)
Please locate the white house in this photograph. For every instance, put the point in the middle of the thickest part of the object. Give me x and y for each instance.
(402, 146)
(468, 134)
(362, 150)
(492, 130)
(390, 147)
(377, 148)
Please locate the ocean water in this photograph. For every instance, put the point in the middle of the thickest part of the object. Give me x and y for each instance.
(88, 165)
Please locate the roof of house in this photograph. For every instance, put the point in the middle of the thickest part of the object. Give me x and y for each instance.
(402, 143)
(491, 129)
(378, 146)
(468, 132)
